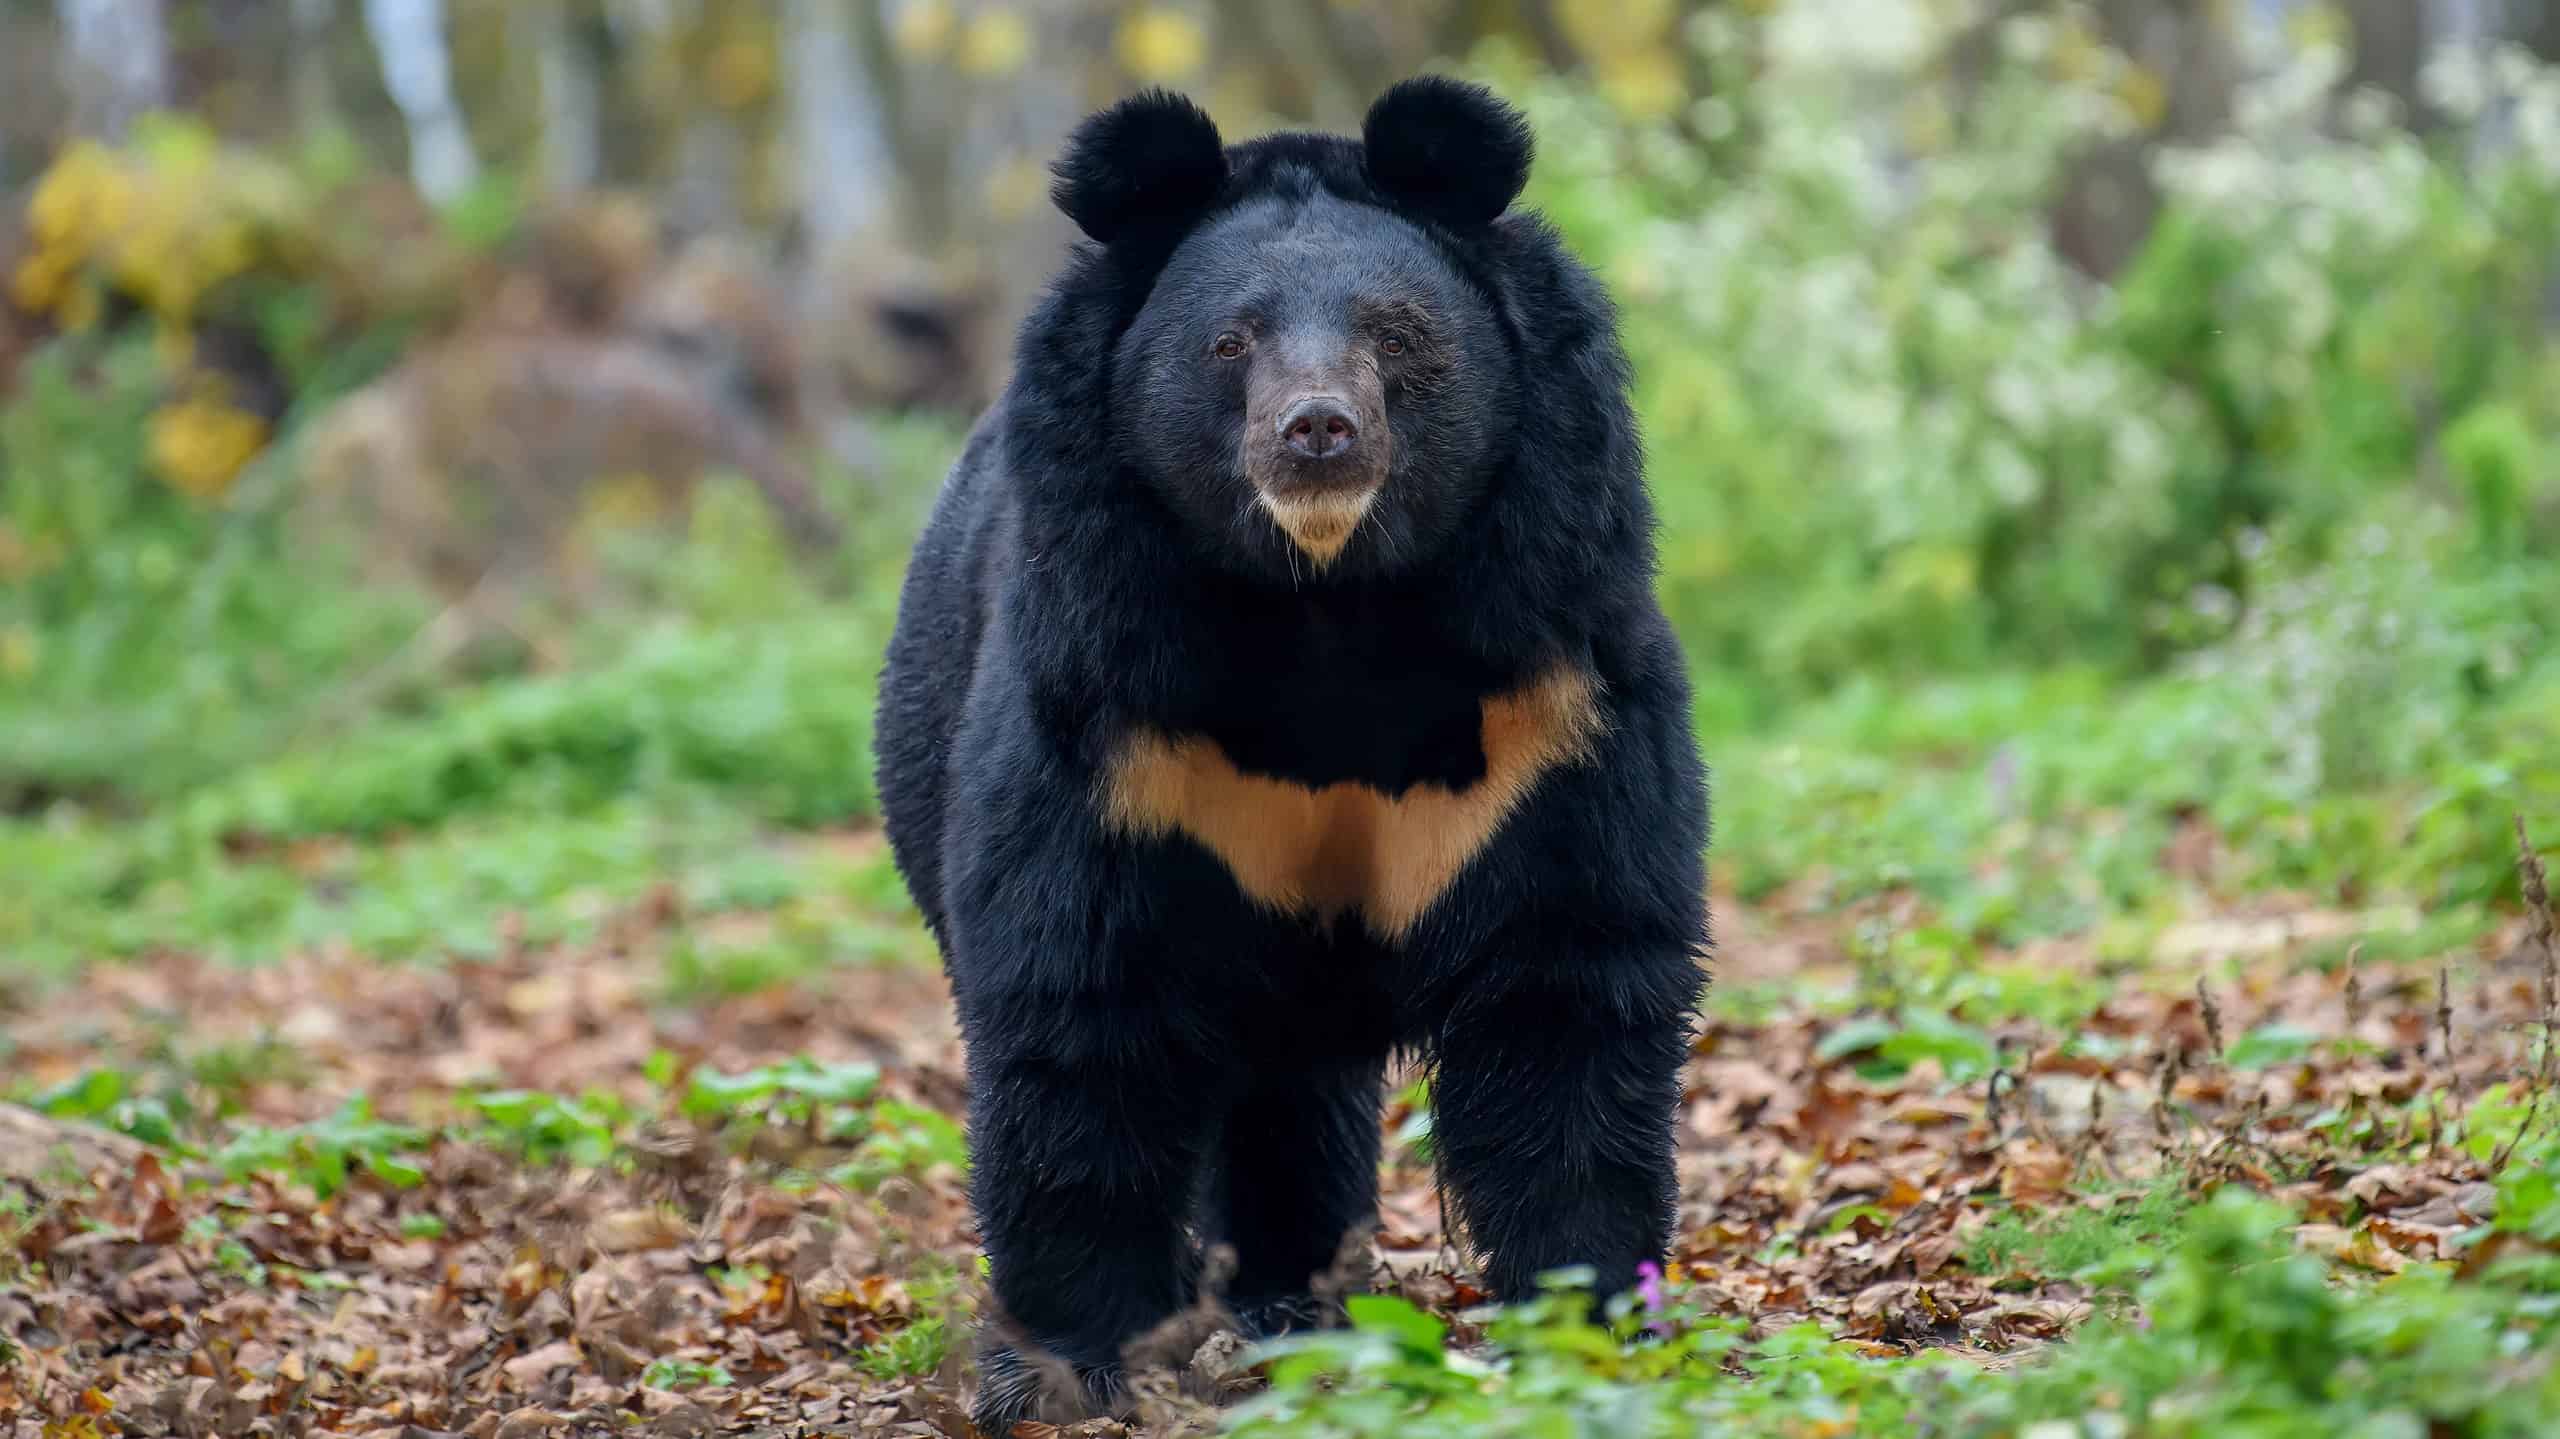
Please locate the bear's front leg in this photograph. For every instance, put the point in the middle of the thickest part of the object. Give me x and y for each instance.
(1098, 1067)
(1085, 1155)
(1556, 1089)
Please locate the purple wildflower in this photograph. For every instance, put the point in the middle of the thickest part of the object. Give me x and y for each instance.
(1650, 1294)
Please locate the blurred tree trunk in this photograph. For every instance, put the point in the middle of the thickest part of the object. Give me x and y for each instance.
(315, 93)
(2389, 47)
(2189, 51)
(417, 68)
(116, 53)
(1554, 45)
(2536, 25)
(568, 62)
(1304, 75)
(840, 143)
(1533, 22)
(1975, 52)
(709, 174)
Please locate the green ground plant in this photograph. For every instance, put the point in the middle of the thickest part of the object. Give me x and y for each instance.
(2238, 1334)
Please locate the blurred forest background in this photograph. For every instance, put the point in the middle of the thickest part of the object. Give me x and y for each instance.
(2184, 368)
(456, 459)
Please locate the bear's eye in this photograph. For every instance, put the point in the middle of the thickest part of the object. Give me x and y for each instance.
(1229, 347)
(1392, 344)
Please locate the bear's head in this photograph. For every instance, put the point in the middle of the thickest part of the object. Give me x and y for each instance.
(1313, 380)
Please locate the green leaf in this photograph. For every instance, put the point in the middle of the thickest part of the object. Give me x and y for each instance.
(1411, 1328)
(398, 1173)
(833, 1083)
(714, 1093)
(85, 1095)
(1964, 1052)
(2272, 1043)
(1853, 1037)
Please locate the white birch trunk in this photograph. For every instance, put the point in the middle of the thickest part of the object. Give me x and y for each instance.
(417, 68)
(572, 95)
(843, 158)
(117, 55)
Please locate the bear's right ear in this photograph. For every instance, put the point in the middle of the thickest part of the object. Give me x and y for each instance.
(1146, 166)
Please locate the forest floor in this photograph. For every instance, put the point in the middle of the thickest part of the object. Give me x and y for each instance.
(538, 1192)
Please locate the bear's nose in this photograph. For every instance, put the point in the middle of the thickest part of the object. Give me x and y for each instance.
(1319, 428)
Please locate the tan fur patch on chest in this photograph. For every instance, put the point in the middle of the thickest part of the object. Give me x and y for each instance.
(1348, 847)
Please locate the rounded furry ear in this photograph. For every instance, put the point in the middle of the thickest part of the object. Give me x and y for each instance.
(1150, 163)
(1448, 150)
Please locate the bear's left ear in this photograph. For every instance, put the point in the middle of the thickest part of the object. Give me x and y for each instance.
(1447, 150)
(1144, 167)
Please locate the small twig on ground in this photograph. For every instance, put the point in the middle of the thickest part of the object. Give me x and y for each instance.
(2234, 1134)
(2537, 891)
(2507, 1150)
(2355, 987)
(2212, 1018)
(2444, 1010)
(2536, 884)
(2172, 1064)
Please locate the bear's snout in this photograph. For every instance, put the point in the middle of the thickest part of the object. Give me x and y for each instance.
(1320, 427)
(1316, 431)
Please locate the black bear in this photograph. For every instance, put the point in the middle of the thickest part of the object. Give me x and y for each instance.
(1279, 685)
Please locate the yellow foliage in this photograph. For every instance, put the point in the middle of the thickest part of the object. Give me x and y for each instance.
(923, 29)
(19, 651)
(1016, 187)
(996, 43)
(1234, 91)
(1607, 27)
(199, 445)
(1161, 45)
(59, 213)
(2145, 98)
(1646, 84)
(1634, 48)
(741, 72)
(1945, 573)
(80, 308)
(2078, 54)
(42, 281)
(2320, 27)
(624, 500)
(166, 220)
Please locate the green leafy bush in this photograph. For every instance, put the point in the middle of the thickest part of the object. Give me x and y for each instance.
(2237, 1334)
(1893, 431)
(148, 642)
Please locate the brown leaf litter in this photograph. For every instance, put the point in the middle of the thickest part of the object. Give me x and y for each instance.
(500, 1301)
